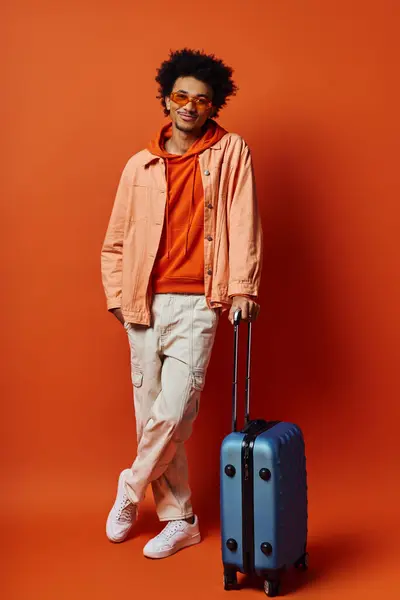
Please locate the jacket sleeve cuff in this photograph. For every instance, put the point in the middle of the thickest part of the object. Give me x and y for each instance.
(111, 304)
(242, 288)
(248, 296)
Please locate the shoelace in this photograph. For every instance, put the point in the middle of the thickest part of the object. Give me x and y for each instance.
(170, 529)
(125, 510)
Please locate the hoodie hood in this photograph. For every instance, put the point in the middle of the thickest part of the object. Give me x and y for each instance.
(211, 136)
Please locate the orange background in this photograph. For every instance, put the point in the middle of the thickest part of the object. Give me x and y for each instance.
(317, 106)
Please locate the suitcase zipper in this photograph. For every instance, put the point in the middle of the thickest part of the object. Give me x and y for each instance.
(254, 429)
(246, 462)
(248, 505)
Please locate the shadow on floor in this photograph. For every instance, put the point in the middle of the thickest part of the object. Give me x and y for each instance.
(327, 556)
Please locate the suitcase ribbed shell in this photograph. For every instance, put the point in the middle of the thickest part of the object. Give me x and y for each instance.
(280, 503)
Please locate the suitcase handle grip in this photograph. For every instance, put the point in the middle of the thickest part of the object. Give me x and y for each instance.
(236, 323)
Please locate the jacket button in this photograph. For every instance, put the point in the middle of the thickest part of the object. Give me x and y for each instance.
(209, 206)
(207, 172)
(209, 238)
(209, 272)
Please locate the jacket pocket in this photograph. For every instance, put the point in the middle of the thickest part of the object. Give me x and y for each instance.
(140, 203)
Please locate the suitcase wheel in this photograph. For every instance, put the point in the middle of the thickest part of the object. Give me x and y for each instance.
(302, 563)
(271, 588)
(230, 580)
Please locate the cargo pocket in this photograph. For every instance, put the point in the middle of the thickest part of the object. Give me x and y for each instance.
(198, 379)
(137, 379)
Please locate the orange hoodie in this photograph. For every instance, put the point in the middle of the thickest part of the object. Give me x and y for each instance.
(179, 265)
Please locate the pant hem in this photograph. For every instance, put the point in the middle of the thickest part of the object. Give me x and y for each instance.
(128, 492)
(177, 517)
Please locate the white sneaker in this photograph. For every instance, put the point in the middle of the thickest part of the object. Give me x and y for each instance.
(122, 515)
(175, 536)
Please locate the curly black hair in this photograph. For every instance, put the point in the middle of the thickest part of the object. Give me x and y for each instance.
(204, 67)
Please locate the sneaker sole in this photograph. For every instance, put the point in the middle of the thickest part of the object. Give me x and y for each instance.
(196, 539)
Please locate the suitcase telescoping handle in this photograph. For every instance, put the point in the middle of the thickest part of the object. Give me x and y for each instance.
(236, 322)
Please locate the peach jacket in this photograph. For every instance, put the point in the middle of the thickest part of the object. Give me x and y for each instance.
(233, 237)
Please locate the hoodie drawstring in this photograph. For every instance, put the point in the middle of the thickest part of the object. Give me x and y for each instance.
(190, 218)
(167, 211)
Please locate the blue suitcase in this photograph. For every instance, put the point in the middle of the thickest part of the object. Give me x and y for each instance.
(263, 494)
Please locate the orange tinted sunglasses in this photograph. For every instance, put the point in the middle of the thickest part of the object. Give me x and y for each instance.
(182, 98)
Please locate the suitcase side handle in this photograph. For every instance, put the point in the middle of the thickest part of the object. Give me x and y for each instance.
(236, 323)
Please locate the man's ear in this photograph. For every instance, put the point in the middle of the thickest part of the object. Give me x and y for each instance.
(168, 102)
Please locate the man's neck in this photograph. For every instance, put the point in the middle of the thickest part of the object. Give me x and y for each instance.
(180, 141)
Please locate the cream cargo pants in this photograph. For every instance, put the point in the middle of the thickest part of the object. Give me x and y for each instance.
(169, 361)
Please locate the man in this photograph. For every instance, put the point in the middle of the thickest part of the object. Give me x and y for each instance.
(183, 245)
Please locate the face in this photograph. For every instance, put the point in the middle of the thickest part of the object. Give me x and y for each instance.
(190, 117)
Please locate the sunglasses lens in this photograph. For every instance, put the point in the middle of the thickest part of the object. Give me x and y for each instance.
(182, 99)
(202, 104)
